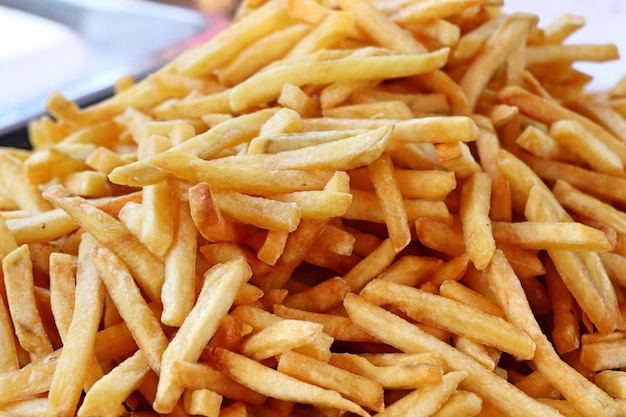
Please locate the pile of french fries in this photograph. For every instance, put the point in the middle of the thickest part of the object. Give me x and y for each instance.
(387, 207)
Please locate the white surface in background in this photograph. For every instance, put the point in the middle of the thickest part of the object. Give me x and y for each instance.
(36, 56)
(605, 23)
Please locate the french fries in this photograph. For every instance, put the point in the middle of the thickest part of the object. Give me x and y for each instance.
(350, 207)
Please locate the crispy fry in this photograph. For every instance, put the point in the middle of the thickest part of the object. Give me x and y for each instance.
(218, 292)
(74, 363)
(256, 376)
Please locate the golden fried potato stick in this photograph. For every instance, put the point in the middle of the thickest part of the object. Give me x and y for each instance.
(274, 384)
(586, 397)
(17, 268)
(390, 200)
(541, 205)
(338, 327)
(280, 337)
(146, 267)
(266, 85)
(428, 399)
(475, 220)
(547, 235)
(415, 371)
(225, 135)
(75, 362)
(510, 36)
(132, 307)
(548, 111)
(361, 390)
(219, 289)
(208, 56)
(108, 394)
(29, 380)
(178, 293)
(409, 338)
(200, 375)
(453, 316)
(263, 52)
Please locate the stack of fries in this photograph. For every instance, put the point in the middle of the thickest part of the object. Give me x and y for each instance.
(387, 207)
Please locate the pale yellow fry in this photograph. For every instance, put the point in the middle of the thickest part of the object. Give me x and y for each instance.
(410, 373)
(589, 206)
(380, 28)
(562, 27)
(262, 212)
(20, 289)
(28, 407)
(390, 200)
(227, 134)
(108, 394)
(550, 53)
(451, 315)
(604, 113)
(573, 136)
(62, 300)
(145, 266)
(370, 109)
(9, 360)
(611, 381)
(8, 351)
(547, 235)
(548, 112)
(280, 337)
(372, 265)
(409, 338)
(220, 287)
(29, 380)
(157, 230)
(583, 394)
(201, 375)
(427, 400)
(430, 129)
(179, 286)
(266, 86)
(582, 272)
(508, 38)
(12, 177)
(272, 383)
(334, 28)
(475, 220)
(318, 204)
(256, 180)
(208, 56)
(280, 142)
(431, 10)
(261, 53)
(41, 227)
(131, 305)
(541, 205)
(338, 327)
(363, 391)
(461, 404)
(365, 206)
(202, 402)
(73, 364)
(352, 152)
